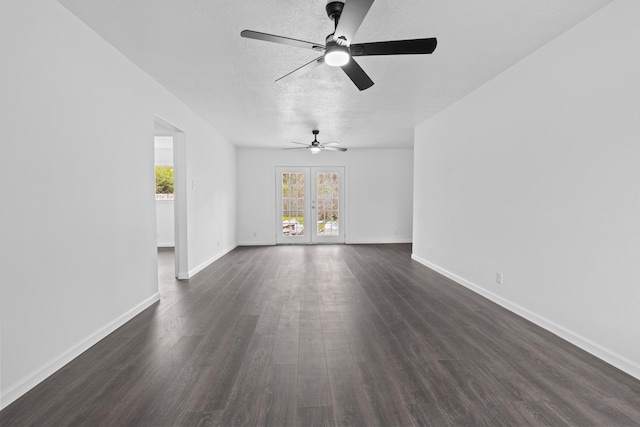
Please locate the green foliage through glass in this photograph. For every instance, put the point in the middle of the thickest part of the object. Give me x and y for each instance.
(164, 179)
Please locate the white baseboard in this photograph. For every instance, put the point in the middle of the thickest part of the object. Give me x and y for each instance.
(621, 362)
(208, 262)
(253, 243)
(348, 242)
(378, 241)
(41, 373)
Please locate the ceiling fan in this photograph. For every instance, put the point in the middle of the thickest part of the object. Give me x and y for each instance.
(316, 146)
(339, 49)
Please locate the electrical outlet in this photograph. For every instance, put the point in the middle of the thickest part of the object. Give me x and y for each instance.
(499, 278)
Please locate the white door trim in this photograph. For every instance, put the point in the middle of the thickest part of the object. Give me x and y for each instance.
(180, 197)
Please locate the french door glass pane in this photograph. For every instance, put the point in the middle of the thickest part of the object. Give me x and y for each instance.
(327, 204)
(292, 204)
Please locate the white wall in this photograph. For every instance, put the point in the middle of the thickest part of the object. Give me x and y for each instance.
(163, 150)
(536, 175)
(165, 224)
(379, 181)
(78, 233)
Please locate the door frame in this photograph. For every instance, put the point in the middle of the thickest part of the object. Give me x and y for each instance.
(310, 189)
(179, 196)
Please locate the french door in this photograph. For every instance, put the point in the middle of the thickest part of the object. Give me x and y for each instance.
(310, 205)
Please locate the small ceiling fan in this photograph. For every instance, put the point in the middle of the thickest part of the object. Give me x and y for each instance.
(339, 49)
(316, 146)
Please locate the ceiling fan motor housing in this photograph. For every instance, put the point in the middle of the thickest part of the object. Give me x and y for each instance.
(334, 10)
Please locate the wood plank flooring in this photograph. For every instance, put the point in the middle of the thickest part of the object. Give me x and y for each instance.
(327, 336)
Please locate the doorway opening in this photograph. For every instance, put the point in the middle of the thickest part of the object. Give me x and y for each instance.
(310, 205)
(171, 209)
(164, 170)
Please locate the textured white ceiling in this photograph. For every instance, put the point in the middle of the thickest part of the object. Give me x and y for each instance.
(194, 49)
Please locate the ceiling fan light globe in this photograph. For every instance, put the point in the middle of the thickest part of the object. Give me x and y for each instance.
(336, 55)
(315, 150)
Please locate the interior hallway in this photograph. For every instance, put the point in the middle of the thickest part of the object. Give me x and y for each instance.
(327, 335)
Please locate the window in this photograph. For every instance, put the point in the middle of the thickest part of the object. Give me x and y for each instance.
(164, 182)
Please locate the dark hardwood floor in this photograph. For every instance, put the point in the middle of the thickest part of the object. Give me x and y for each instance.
(323, 336)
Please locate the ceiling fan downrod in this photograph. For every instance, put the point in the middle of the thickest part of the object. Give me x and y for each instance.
(334, 10)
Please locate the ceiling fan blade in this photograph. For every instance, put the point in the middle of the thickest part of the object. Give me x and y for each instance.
(300, 143)
(331, 144)
(334, 148)
(357, 75)
(303, 69)
(296, 148)
(395, 47)
(353, 14)
(281, 40)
